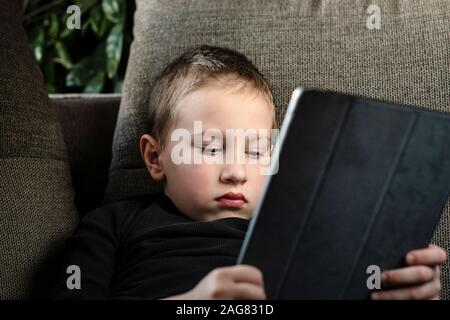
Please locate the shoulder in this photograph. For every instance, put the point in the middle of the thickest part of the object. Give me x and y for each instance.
(121, 207)
(116, 217)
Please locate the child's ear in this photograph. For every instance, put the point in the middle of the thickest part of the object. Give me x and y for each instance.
(150, 152)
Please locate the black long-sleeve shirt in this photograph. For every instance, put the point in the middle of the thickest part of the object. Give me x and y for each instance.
(145, 248)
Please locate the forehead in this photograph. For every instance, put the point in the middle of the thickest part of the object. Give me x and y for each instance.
(225, 108)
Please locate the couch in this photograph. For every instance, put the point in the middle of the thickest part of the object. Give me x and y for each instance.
(63, 155)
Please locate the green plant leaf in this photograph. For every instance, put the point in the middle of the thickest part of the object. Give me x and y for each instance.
(41, 9)
(105, 26)
(63, 55)
(38, 43)
(95, 85)
(112, 11)
(85, 4)
(114, 44)
(66, 32)
(54, 27)
(85, 26)
(83, 54)
(79, 75)
(99, 23)
(96, 20)
(83, 71)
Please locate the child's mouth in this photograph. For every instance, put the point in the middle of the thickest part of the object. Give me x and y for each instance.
(233, 200)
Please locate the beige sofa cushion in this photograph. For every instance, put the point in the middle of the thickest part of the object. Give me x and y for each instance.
(36, 203)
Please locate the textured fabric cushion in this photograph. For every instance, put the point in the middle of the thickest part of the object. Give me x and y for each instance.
(322, 44)
(36, 202)
(88, 122)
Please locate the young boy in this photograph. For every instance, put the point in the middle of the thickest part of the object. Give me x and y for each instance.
(184, 242)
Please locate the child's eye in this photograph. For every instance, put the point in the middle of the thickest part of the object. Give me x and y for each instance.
(255, 154)
(211, 150)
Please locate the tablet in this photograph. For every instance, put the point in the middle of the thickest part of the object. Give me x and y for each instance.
(356, 184)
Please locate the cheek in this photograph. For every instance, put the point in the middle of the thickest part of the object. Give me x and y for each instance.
(188, 175)
(193, 176)
(256, 180)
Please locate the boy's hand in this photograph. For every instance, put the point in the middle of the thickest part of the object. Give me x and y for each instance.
(419, 281)
(236, 282)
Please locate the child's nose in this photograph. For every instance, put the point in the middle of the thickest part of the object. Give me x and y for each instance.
(233, 173)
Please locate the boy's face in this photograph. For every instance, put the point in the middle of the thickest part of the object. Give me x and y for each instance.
(198, 189)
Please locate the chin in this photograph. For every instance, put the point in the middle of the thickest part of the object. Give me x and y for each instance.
(232, 214)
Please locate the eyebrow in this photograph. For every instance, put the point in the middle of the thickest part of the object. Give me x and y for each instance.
(224, 136)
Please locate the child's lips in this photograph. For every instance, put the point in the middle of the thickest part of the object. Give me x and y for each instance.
(233, 200)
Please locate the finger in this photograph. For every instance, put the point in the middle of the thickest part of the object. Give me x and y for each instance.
(247, 291)
(437, 273)
(426, 291)
(433, 255)
(246, 273)
(437, 277)
(407, 276)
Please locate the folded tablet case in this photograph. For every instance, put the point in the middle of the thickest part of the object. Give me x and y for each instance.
(360, 183)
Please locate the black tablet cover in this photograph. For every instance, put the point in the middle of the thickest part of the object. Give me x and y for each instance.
(359, 183)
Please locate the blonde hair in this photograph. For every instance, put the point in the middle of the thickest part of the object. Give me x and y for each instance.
(193, 69)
